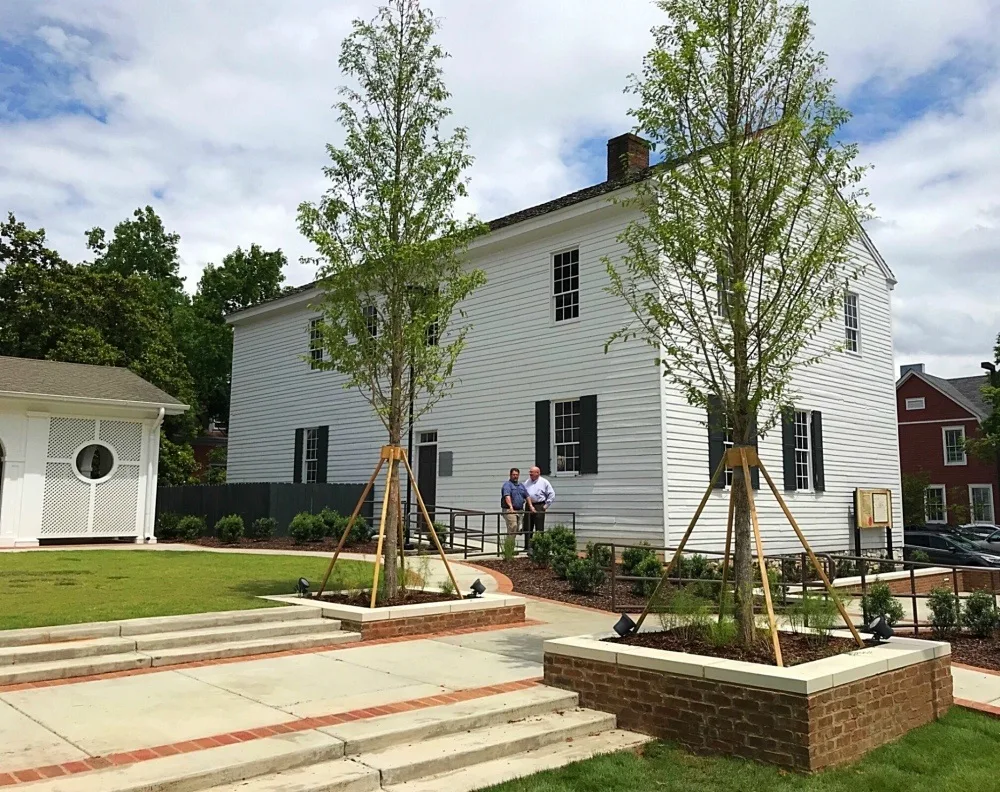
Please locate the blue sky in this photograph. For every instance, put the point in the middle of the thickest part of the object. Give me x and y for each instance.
(217, 114)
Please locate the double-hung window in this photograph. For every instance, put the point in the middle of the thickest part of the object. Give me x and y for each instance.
(954, 445)
(803, 452)
(566, 285)
(315, 341)
(310, 456)
(935, 504)
(567, 435)
(981, 501)
(852, 323)
(370, 313)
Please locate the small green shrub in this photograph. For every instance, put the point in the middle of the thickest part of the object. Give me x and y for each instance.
(722, 632)
(166, 526)
(540, 549)
(980, 615)
(262, 529)
(306, 527)
(333, 523)
(684, 612)
(920, 557)
(509, 548)
(561, 558)
(361, 532)
(562, 539)
(448, 588)
(880, 602)
(585, 576)
(632, 557)
(229, 529)
(599, 554)
(190, 528)
(816, 613)
(944, 609)
(649, 567)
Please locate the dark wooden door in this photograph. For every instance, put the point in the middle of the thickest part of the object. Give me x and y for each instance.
(427, 475)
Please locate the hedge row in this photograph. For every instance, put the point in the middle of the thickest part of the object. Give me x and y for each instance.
(304, 527)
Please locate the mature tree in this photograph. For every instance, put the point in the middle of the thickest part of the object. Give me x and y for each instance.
(915, 497)
(244, 278)
(388, 240)
(986, 445)
(742, 254)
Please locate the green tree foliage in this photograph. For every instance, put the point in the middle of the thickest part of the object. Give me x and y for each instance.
(914, 497)
(388, 241)
(743, 251)
(177, 463)
(986, 445)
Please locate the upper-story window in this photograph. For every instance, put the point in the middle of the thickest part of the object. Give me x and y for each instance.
(852, 323)
(954, 445)
(916, 404)
(316, 340)
(566, 285)
(371, 320)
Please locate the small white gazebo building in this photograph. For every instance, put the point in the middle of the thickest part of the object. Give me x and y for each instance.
(79, 447)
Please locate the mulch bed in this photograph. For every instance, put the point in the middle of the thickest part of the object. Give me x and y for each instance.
(542, 582)
(967, 649)
(362, 599)
(795, 649)
(284, 543)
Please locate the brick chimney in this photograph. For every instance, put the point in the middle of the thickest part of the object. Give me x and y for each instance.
(627, 154)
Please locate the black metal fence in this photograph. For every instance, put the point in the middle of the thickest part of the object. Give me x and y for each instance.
(253, 500)
(475, 533)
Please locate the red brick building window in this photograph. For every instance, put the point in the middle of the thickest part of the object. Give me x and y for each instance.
(935, 504)
(954, 445)
(981, 500)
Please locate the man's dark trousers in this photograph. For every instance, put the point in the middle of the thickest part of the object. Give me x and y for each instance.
(533, 521)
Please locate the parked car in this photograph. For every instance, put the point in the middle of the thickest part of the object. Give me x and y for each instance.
(980, 532)
(952, 549)
(990, 543)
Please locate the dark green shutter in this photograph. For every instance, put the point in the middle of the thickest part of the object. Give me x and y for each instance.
(716, 439)
(754, 471)
(322, 446)
(816, 428)
(543, 436)
(788, 448)
(297, 473)
(588, 435)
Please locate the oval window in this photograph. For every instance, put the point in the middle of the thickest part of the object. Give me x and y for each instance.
(95, 462)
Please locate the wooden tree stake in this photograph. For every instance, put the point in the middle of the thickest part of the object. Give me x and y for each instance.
(381, 528)
(725, 558)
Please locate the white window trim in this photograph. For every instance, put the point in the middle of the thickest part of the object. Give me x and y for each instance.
(944, 446)
(911, 404)
(552, 439)
(857, 303)
(944, 504)
(313, 323)
(972, 505)
(370, 312)
(552, 289)
(809, 452)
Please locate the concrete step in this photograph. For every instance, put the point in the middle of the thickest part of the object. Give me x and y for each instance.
(374, 734)
(497, 771)
(216, 651)
(154, 624)
(68, 650)
(446, 753)
(75, 667)
(340, 775)
(242, 632)
(201, 770)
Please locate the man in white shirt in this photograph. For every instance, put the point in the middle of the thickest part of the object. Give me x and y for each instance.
(540, 498)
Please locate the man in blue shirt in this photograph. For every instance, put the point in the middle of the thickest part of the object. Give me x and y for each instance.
(512, 498)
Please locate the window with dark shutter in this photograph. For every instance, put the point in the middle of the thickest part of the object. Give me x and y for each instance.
(788, 449)
(818, 475)
(717, 441)
(322, 449)
(588, 435)
(297, 471)
(543, 452)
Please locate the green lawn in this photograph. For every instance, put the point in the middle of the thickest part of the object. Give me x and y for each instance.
(68, 587)
(960, 753)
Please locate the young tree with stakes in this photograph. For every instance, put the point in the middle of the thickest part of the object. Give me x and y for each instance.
(742, 254)
(388, 239)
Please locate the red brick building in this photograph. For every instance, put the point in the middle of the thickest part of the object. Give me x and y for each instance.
(935, 417)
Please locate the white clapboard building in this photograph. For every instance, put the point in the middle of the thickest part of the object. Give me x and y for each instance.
(623, 449)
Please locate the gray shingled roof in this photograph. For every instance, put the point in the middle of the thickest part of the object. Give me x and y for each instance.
(964, 391)
(26, 376)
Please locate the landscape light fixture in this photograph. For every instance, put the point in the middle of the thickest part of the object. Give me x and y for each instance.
(477, 589)
(624, 626)
(303, 587)
(880, 629)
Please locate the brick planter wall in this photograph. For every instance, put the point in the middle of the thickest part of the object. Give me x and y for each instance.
(436, 622)
(801, 732)
(968, 580)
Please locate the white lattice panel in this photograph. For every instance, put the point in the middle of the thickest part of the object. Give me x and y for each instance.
(66, 505)
(68, 434)
(125, 437)
(115, 503)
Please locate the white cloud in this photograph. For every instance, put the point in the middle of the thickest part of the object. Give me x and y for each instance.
(224, 109)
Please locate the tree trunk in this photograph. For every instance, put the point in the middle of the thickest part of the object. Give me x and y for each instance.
(393, 518)
(743, 561)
